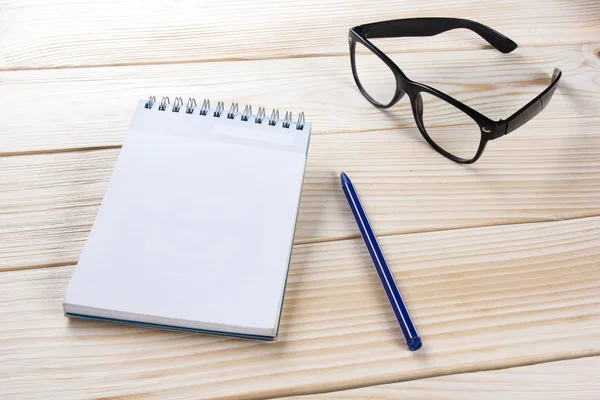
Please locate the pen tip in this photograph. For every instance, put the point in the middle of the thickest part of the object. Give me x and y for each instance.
(344, 177)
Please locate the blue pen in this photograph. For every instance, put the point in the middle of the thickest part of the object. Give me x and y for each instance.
(385, 275)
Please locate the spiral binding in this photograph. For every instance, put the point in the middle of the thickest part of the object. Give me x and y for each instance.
(177, 104)
(151, 102)
(205, 107)
(219, 109)
(247, 113)
(163, 103)
(232, 110)
(287, 120)
(191, 106)
(274, 117)
(260, 115)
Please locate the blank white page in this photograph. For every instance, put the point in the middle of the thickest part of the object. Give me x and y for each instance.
(196, 226)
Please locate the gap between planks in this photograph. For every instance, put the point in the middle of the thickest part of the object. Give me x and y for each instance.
(57, 151)
(283, 57)
(63, 33)
(541, 317)
(50, 201)
(345, 238)
(119, 146)
(468, 370)
(321, 87)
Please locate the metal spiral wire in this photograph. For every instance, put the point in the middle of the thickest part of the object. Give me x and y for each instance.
(287, 120)
(191, 104)
(163, 103)
(205, 107)
(151, 101)
(274, 117)
(232, 111)
(219, 109)
(300, 123)
(247, 112)
(177, 103)
(260, 116)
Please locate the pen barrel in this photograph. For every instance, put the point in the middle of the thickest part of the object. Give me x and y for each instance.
(383, 271)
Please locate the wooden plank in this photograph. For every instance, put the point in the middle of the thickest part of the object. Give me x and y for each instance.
(491, 297)
(50, 34)
(567, 379)
(48, 202)
(81, 108)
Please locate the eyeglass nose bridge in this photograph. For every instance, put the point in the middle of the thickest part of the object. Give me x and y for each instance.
(419, 106)
(416, 102)
(399, 95)
(402, 87)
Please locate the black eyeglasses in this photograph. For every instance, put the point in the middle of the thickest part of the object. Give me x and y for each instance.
(452, 128)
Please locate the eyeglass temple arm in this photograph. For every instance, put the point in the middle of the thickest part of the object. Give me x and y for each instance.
(533, 108)
(432, 27)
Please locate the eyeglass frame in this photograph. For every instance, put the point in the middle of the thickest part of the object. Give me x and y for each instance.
(489, 128)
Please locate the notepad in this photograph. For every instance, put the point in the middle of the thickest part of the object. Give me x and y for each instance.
(195, 230)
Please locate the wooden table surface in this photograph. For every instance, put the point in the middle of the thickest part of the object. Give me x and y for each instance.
(499, 261)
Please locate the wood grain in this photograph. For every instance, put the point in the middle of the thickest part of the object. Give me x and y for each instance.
(484, 298)
(56, 110)
(568, 379)
(491, 297)
(48, 202)
(74, 33)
